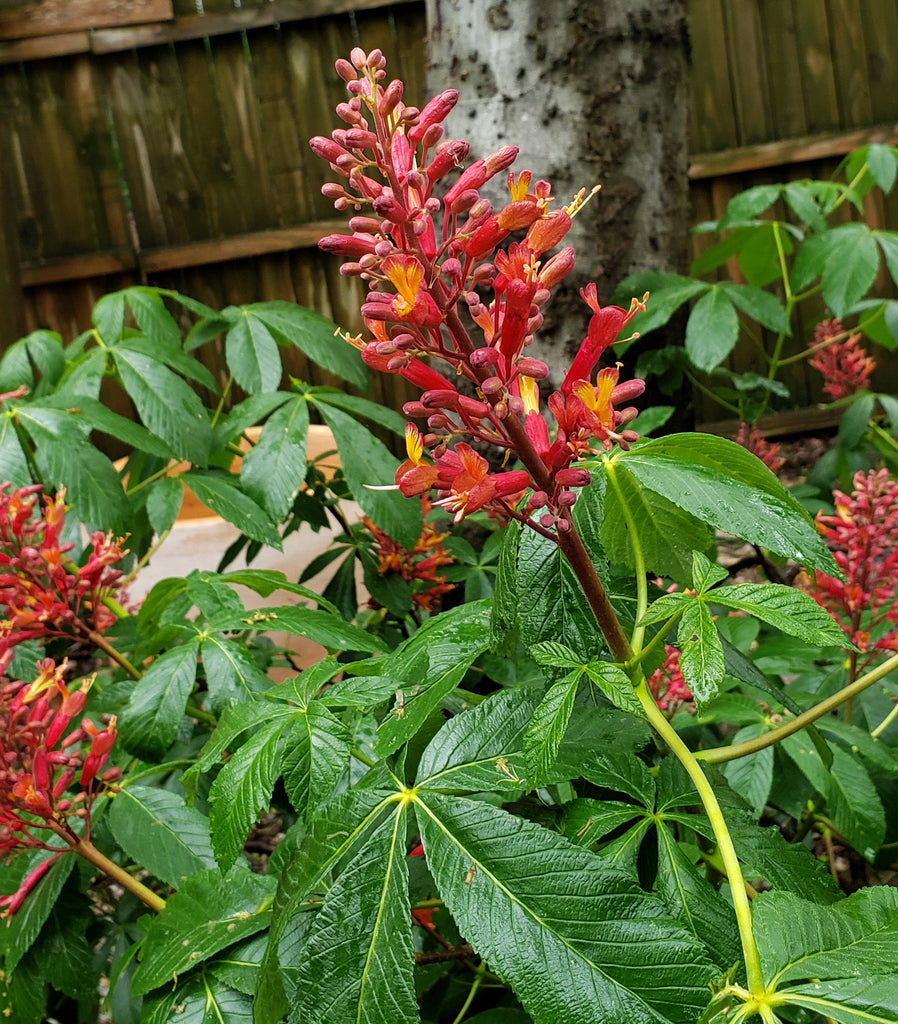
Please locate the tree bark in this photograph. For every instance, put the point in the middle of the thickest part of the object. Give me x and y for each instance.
(593, 92)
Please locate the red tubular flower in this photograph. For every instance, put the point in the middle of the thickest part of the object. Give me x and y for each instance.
(453, 294)
(753, 440)
(38, 764)
(863, 537)
(845, 366)
(43, 592)
(668, 686)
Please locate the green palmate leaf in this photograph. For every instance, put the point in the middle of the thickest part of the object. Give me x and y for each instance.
(568, 933)
(217, 490)
(241, 792)
(695, 902)
(252, 354)
(208, 913)
(63, 943)
(108, 316)
(358, 964)
(705, 573)
(152, 317)
(322, 627)
(24, 992)
(429, 666)
(551, 605)
(547, 728)
(150, 719)
(332, 836)
(36, 359)
(762, 306)
(23, 928)
(790, 867)
(267, 581)
(888, 242)
(788, 610)
(236, 720)
(367, 463)
(65, 458)
(164, 499)
(586, 821)
(199, 1000)
(867, 1000)
(752, 776)
(712, 330)
(166, 405)
(239, 966)
(701, 652)
(722, 484)
(314, 335)
(274, 469)
(231, 673)
(803, 204)
(852, 260)
(13, 463)
(317, 755)
(798, 940)
(361, 407)
(852, 803)
(667, 533)
(624, 773)
(616, 685)
(480, 749)
(175, 359)
(749, 204)
(158, 830)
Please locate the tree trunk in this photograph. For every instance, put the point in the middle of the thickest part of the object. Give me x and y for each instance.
(593, 92)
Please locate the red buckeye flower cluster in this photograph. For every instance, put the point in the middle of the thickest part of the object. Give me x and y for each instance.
(454, 281)
(43, 593)
(751, 438)
(863, 537)
(48, 772)
(668, 686)
(845, 366)
(419, 566)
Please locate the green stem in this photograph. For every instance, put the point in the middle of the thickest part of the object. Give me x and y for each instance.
(642, 590)
(106, 647)
(885, 723)
(478, 977)
(721, 833)
(696, 383)
(657, 641)
(86, 849)
(718, 754)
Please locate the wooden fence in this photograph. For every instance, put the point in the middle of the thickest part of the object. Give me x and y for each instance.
(164, 140)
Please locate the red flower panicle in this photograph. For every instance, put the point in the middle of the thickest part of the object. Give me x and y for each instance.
(668, 686)
(418, 566)
(753, 440)
(863, 537)
(43, 592)
(454, 280)
(48, 770)
(845, 366)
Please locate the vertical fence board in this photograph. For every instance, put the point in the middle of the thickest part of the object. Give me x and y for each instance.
(849, 55)
(747, 57)
(784, 68)
(713, 124)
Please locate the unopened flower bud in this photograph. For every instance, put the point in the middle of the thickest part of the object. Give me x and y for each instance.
(575, 476)
(345, 70)
(493, 386)
(566, 499)
(485, 356)
(415, 410)
(547, 520)
(534, 368)
(391, 97)
(438, 421)
(451, 267)
(432, 136)
(358, 138)
(515, 405)
(539, 499)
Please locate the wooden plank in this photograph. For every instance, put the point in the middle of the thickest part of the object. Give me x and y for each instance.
(880, 29)
(40, 47)
(171, 258)
(50, 17)
(789, 151)
(780, 424)
(247, 167)
(819, 85)
(747, 59)
(849, 57)
(277, 12)
(783, 61)
(713, 124)
(12, 323)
